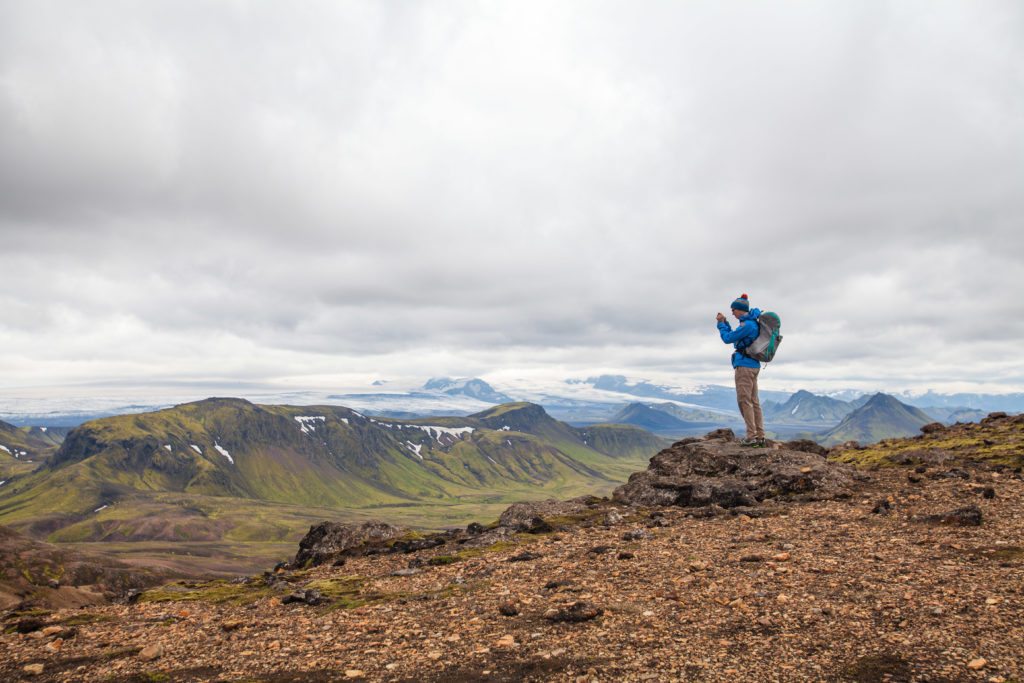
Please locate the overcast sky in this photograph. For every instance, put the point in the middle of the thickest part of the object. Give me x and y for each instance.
(320, 194)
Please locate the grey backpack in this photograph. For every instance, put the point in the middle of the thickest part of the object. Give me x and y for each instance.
(769, 336)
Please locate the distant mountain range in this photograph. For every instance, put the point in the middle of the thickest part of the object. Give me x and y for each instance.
(712, 396)
(881, 417)
(803, 407)
(822, 418)
(595, 399)
(173, 474)
(472, 387)
(669, 419)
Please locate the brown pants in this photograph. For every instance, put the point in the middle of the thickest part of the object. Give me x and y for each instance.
(750, 404)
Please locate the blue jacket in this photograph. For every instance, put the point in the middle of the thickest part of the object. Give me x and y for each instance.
(742, 337)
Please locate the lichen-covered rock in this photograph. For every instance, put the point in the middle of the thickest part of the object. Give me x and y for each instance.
(720, 472)
(328, 540)
(536, 516)
(933, 428)
(965, 516)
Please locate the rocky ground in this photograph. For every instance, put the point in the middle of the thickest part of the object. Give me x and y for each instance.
(748, 566)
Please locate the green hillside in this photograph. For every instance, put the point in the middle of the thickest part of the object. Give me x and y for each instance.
(881, 417)
(228, 469)
(20, 451)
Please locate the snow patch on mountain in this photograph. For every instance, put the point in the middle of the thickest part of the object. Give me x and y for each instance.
(307, 423)
(415, 448)
(223, 451)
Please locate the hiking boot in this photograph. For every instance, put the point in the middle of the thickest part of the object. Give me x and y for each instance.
(751, 443)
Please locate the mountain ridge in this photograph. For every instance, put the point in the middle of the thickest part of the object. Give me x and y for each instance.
(880, 417)
(305, 456)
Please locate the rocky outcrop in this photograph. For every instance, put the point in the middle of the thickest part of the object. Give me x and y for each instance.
(717, 471)
(329, 541)
(806, 446)
(540, 516)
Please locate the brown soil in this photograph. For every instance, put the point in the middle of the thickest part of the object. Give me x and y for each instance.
(812, 591)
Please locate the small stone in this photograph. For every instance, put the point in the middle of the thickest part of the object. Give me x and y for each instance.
(506, 641)
(55, 645)
(51, 630)
(354, 673)
(435, 655)
(274, 645)
(28, 625)
(977, 664)
(151, 652)
(574, 613)
(508, 609)
(806, 470)
(408, 571)
(991, 601)
(33, 669)
(231, 624)
(781, 557)
(625, 555)
(525, 556)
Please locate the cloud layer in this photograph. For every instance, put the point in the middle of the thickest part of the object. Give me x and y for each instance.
(248, 192)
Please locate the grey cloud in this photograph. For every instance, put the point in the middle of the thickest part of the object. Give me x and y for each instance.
(509, 185)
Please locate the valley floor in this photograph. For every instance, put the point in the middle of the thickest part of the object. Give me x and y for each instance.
(811, 592)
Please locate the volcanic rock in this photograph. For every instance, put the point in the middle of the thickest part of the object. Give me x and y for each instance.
(327, 540)
(718, 471)
(966, 516)
(533, 517)
(574, 613)
(805, 445)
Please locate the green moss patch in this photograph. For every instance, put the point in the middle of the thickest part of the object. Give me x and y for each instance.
(213, 592)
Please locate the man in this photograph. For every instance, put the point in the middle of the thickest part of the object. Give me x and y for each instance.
(745, 368)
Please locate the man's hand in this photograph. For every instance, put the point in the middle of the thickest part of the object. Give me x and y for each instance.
(720, 318)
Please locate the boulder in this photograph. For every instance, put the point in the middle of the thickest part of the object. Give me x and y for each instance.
(326, 541)
(717, 471)
(805, 445)
(574, 613)
(965, 516)
(535, 517)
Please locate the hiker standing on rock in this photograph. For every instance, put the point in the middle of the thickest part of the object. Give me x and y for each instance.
(746, 368)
